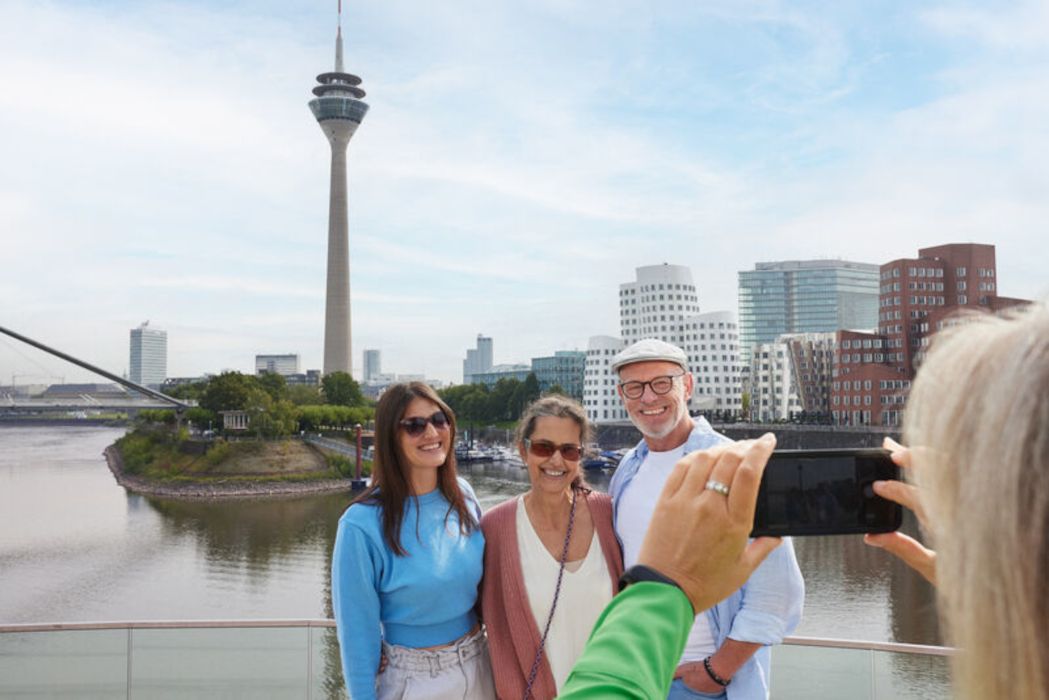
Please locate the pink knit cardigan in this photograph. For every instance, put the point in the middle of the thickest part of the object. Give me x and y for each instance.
(513, 633)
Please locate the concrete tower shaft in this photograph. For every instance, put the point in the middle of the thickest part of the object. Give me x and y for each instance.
(339, 110)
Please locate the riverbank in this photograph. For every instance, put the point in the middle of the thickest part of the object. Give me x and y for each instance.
(222, 487)
(38, 421)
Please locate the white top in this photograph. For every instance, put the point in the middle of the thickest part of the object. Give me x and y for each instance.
(584, 594)
(634, 513)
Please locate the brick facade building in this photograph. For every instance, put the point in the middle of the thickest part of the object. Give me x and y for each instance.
(873, 371)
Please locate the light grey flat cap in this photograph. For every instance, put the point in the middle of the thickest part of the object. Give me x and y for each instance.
(650, 350)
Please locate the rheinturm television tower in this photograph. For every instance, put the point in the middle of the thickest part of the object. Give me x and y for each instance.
(339, 111)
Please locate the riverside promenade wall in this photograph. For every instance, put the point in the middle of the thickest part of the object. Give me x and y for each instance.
(788, 436)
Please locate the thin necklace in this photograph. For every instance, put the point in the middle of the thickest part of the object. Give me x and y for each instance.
(553, 606)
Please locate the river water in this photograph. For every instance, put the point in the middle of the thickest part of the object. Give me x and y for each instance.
(76, 547)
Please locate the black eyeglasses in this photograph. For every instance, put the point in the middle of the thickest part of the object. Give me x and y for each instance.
(545, 448)
(660, 385)
(417, 425)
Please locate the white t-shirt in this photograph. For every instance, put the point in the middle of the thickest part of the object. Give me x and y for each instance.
(634, 512)
(585, 591)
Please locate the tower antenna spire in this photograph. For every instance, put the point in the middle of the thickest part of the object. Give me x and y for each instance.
(338, 43)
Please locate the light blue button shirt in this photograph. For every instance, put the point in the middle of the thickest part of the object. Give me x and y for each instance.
(764, 610)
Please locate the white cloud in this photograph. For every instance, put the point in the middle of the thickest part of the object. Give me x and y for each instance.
(517, 163)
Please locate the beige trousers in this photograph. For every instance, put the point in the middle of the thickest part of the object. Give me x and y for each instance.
(462, 671)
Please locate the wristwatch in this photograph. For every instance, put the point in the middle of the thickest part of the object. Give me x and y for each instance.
(638, 573)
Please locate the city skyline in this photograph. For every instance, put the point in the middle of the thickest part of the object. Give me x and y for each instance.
(516, 171)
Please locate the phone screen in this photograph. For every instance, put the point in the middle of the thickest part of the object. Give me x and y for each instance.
(825, 492)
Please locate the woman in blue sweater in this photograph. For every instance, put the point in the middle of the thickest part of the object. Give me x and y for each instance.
(407, 562)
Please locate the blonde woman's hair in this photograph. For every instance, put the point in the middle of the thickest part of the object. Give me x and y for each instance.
(978, 423)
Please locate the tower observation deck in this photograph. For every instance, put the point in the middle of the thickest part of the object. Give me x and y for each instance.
(339, 110)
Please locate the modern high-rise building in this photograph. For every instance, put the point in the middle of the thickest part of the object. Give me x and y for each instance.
(565, 369)
(339, 110)
(148, 364)
(478, 360)
(873, 371)
(812, 364)
(654, 304)
(599, 381)
(773, 392)
(284, 365)
(711, 341)
(372, 365)
(805, 296)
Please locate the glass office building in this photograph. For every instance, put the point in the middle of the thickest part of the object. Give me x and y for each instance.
(565, 369)
(805, 296)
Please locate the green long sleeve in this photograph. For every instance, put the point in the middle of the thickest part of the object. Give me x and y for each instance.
(635, 645)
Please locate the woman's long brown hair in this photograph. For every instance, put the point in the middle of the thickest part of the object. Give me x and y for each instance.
(391, 480)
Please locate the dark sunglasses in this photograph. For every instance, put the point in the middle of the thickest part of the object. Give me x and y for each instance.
(660, 385)
(544, 449)
(417, 425)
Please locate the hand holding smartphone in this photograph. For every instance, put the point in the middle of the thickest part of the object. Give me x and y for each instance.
(825, 492)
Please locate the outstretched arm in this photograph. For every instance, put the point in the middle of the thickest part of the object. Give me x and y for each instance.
(699, 539)
(913, 553)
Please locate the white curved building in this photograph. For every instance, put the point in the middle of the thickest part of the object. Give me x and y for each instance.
(711, 341)
(656, 303)
(599, 381)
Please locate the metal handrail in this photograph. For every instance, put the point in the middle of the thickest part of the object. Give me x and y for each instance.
(161, 624)
(825, 642)
(865, 645)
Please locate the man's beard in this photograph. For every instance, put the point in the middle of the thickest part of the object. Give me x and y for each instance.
(672, 422)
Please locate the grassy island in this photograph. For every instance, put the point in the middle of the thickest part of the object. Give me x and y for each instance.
(269, 453)
(162, 462)
(155, 455)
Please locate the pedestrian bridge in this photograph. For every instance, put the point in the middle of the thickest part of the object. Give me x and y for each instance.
(22, 405)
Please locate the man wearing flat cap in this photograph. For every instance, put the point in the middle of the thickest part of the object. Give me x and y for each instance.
(728, 650)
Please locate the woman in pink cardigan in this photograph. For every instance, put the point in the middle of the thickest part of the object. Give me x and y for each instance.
(551, 558)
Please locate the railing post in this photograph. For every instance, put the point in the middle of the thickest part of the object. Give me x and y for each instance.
(129, 642)
(309, 662)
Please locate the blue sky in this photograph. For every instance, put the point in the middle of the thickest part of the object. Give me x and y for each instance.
(518, 162)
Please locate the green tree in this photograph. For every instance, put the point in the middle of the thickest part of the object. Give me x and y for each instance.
(531, 387)
(188, 392)
(555, 389)
(156, 415)
(273, 384)
(258, 404)
(341, 389)
(285, 417)
(501, 404)
(202, 418)
(475, 403)
(518, 401)
(454, 396)
(228, 392)
(316, 417)
(304, 394)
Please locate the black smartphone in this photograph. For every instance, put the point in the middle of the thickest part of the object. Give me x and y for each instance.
(825, 492)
